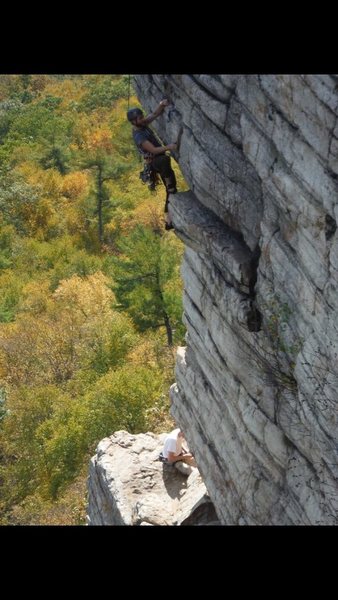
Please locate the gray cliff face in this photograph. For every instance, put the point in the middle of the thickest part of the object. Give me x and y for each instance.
(257, 384)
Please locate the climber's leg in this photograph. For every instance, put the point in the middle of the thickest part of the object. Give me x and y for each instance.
(161, 164)
(183, 467)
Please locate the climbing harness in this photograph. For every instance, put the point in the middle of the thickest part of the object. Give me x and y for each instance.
(149, 175)
(161, 458)
(165, 460)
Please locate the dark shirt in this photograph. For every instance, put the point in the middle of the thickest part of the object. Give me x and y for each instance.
(143, 135)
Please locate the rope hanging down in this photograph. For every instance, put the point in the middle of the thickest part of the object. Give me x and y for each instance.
(128, 90)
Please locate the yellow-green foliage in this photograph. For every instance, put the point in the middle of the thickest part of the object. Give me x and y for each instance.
(75, 365)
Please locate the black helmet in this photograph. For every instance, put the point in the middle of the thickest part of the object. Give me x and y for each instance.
(133, 113)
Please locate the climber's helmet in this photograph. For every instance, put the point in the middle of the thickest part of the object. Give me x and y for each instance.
(133, 113)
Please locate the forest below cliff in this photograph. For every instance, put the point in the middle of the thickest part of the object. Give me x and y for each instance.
(90, 283)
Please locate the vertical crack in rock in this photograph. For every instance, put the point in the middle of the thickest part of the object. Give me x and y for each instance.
(330, 227)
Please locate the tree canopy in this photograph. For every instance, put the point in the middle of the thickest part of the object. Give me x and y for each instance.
(90, 310)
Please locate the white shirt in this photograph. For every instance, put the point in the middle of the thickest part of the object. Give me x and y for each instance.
(173, 443)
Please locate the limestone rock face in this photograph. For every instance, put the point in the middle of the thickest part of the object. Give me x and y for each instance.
(257, 384)
(129, 486)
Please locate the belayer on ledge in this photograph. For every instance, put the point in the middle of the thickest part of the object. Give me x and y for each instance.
(155, 158)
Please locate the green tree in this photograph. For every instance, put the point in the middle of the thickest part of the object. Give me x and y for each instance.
(72, 368)
(3, 409)
(39, 130)
(97, 154)
(104, 172)
(147, 281)
(17, 198)
(47, 435)
(103, 91)
(9, 110)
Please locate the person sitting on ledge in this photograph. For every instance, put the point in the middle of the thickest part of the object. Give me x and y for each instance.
(175, 454)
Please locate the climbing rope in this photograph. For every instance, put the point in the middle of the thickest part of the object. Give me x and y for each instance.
(128, 90)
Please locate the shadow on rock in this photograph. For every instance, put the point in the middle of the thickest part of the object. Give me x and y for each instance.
(173, 480)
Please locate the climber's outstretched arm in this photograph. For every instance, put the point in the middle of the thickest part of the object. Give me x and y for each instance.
(158, 111)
